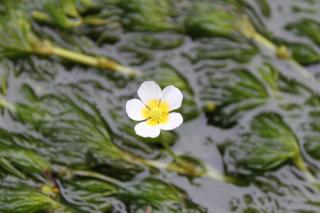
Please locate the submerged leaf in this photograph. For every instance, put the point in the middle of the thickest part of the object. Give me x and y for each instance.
(208, 19)
(223, 50)
(269, 144)
(159, 196)
(75, 127)
(306, 27)
(63, 13)
(147, 15)
(22, 200)
(94, 195)
(237, 92)
(303, 53)
(234, 95)
(18, 161)
(16, 36)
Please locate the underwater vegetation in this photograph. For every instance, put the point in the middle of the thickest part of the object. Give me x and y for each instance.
(242, 77)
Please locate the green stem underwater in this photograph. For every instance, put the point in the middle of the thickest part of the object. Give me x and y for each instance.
(183, 169)
(47, 49)
(248, 30)
(169, 150)
(62, 170)
(299, 162)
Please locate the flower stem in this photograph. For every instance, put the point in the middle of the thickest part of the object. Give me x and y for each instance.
(169, 150)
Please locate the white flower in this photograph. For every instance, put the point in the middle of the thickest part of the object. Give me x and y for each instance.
(154, 109)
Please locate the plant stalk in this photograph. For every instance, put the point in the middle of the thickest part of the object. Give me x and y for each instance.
(210, 172)
(47, 49)
(248, 30)
(299, 162)
(85, 173)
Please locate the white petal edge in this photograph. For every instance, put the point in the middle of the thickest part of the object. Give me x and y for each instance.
(134, 108)
(173, 96)
(145, 130)
(149, 90)
(175, 120)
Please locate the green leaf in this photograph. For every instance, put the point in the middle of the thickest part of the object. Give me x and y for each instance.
(94, 195)
(63, 13)
(268, 144)
(237, 92)
(147, 15)
(159, 196)
(18, 161)
(16, 37)
(303, 53)
(22, 200)
(234, 93)
(224, 50)
(74, 126)
(306, 27)
(206, 19)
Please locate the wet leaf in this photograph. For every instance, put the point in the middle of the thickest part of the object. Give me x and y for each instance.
(22, 200)
(207, 19)
(234, 95)
(237, 92)
(269, 144)
(75, 125)
(304, 54)
(306, 27)
(16, 36)
(18, 161)
(63, 13)
(94, 195)
(159, 196)
(147, 15)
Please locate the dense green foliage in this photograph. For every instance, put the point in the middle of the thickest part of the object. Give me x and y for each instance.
(268, 144)
(66, 144)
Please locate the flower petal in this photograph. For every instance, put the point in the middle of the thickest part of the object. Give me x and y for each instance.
(175, 120)
(149, 90)
(134, 109)
(145, 130)
(173, 96)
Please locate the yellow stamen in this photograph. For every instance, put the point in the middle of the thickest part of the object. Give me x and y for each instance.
(156, 112)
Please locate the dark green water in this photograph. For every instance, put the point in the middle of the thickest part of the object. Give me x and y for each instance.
(206, 64)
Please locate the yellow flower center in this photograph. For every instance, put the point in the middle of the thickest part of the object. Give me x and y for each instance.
(156, 112)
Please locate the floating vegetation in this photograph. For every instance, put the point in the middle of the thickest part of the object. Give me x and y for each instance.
(248, 136)
(17, 38)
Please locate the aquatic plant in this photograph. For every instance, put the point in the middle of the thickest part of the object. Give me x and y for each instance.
(269, 143)
(237, 92)
(147, 15)
(16, 159)
(22, 199)
(17, 39)
(65, 14)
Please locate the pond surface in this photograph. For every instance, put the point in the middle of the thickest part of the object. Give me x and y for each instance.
(228, 81)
